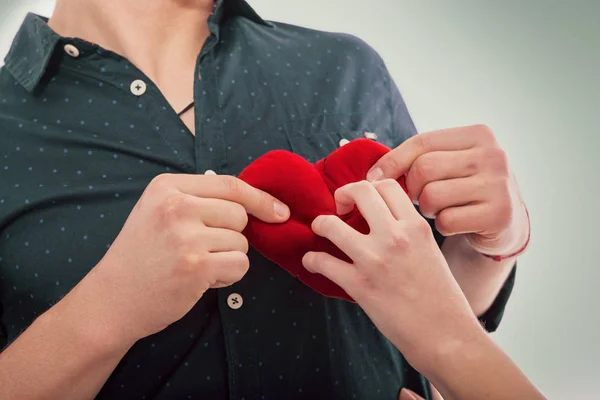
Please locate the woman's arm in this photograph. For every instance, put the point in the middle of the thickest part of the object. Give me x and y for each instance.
(399, 263)
(476, 369)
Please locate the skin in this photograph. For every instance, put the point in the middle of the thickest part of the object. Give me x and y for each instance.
(431, 322)
(461, 177)
(162, 39)
(190, 227)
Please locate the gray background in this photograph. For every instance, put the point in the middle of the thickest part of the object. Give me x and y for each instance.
(530, 70)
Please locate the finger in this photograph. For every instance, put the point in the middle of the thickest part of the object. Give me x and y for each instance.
(369, 203)
(217, 213)
(256, 202)
(467, 219)
(435, 394)
(439, 166)
(398, 161)
(396, 199)
(406, 394)
(340, 234)
(227, 268)
(219, 240)
(439, 195)
(338, 271)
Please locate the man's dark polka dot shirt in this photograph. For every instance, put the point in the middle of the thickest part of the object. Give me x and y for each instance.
(83, 131)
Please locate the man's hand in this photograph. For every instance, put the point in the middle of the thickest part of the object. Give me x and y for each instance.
(461, 177)
(182, 238)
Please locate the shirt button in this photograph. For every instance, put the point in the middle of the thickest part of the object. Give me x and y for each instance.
(235, 301)
(210, 172)
(370, 135)
(138, 87)
(344, 142)
(71, 50)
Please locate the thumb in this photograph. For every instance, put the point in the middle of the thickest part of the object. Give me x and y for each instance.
(406, 394)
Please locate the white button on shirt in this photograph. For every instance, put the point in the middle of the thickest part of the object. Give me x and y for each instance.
(71, 50)
(235, 301)
(210, 172)
(344, 142)
(138, 87)
(370, 135)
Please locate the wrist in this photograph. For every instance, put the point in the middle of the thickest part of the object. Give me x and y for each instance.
(510, 244)
(458, 355)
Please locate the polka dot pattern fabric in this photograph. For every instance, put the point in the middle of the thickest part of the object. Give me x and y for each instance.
(83, 131)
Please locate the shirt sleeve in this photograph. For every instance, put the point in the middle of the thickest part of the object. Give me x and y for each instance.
(402, 128)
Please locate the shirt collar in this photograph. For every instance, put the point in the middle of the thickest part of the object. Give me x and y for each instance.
(35, 42)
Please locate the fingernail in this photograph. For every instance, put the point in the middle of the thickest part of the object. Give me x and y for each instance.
(281, 210)
(406, 394)
(375, 174)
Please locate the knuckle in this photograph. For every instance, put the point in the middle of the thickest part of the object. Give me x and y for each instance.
(241, 264)
(231, 184)
(265, 202)
(423, 168)
(239, 216)
(242, 267)
(497, 161)
(504, 213)
(427, 201)
(160, 182)
(191, 261)
(392, 163)
(398, 240)
(420, 227)
(362, 185)
(244, 245)
(366, 283)
(421, 142)
(484, 132)
(443, 223)
(326, 223)
(377, 260)
(473, 166)
(385, 184)
(171, 209)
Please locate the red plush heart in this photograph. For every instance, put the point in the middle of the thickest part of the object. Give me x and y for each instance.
(308, 191)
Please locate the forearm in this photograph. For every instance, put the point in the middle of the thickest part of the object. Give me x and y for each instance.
(64, 354)
(479, 369)
(479, 277)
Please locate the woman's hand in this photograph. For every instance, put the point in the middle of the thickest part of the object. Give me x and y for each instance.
(399, 275)
(402, 281)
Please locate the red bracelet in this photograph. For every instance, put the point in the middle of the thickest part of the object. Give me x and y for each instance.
(521, 250)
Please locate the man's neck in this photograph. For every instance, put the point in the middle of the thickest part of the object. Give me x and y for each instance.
(161, 37)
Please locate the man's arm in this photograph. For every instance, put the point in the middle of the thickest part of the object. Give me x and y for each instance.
(462, 183)
(67, 353)
(479, 277)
